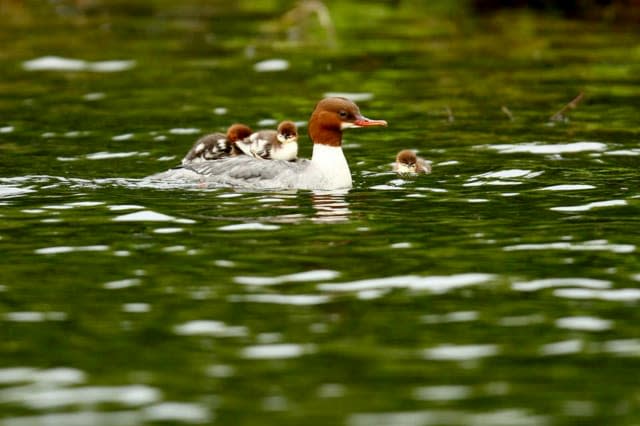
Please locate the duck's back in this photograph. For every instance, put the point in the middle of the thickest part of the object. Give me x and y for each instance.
(249, 172)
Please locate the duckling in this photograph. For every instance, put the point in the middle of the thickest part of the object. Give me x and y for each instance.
(272, 145)
(408, 163)
(217, 145)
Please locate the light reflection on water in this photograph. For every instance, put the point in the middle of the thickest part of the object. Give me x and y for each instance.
(483, 293)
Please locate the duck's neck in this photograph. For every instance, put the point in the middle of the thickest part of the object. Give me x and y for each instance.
(331, 162)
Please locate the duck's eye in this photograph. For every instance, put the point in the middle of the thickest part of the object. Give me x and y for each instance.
(343, 114)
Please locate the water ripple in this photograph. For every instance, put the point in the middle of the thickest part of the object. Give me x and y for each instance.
(209, 328)
(594, 245)
(500, 177)
(511, 417)
(460, 352)
(560, 282)
(617, 295)
(584, 323)
(70, 249)
(57, 63)
(314, 275)
(59, 375)
(277, 351)
(590, 206)
(567, 187)
(252, 226)
(187, 412)
(442, 393)
(436, 284)
(38, 398)
(541, 148)
(565, 347)
(282, 299)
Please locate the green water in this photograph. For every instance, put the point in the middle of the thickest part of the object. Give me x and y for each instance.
(502, 289)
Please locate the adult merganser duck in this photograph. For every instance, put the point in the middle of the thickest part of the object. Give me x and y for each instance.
(272, 145)
(408, 163)
(217, 145)
(327, 169)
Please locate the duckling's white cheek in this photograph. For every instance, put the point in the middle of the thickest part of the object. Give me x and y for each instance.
(199, 148)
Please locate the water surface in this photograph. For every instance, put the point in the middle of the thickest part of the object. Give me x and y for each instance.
(501, 289)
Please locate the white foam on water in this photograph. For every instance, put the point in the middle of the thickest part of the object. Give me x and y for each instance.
(584, 323)
(251, 226)
(354, 96)
(560, 282)
(594, 245)
(460, 352)
(313, 275)
(277, 351)
(564, 347)
(7, 129)
(70, 249)
(209, 328)
(271, 65)
(436, 284)
(615, 295)
(547, 149)
(590, 206)
(567, 187)
(282, 299)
